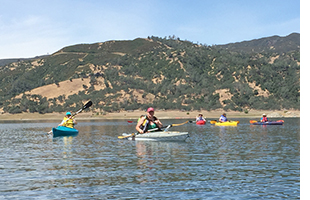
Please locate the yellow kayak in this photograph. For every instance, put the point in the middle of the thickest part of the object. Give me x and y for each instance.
(228, 123)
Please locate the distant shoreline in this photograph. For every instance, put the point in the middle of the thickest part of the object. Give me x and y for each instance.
(161, 114)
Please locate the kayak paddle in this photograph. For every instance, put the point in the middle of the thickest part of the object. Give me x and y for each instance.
(167, 127)
(133, 134)
(87, 105)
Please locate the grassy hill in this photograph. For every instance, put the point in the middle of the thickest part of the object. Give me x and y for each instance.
(167, 73)
(274, 44)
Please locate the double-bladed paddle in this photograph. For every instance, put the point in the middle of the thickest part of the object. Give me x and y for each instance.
(87, 105)
(134, 134)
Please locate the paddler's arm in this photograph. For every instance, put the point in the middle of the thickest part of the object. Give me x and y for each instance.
(61, 124)
(158, 123)
(74, 122)
(140, 122)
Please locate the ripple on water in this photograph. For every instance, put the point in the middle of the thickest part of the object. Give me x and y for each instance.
(240, 162)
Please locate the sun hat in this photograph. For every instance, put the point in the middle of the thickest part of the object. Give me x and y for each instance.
(68, 113)
(264, 114)
(150, 109)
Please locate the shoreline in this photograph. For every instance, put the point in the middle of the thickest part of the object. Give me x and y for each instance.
(161, 114)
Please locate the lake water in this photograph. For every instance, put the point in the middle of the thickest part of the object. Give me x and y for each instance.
(243, 162)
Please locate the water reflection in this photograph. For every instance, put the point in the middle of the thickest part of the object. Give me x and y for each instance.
(152, 155)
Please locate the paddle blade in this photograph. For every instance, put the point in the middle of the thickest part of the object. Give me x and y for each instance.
(253, 121)
(87, 105)
(179, 124)
(126, 136)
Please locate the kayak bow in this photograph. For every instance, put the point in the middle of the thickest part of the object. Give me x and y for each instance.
(201, 122)
(64, 131)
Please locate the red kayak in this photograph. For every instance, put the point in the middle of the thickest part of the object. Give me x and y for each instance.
(201, 122)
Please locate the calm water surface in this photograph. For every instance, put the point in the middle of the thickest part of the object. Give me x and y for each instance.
(243, 162)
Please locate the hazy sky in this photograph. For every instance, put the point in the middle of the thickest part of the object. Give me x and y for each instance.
(30, 28)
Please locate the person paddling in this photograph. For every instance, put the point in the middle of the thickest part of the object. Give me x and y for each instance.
(200, 118)
(68, 121)
(223, 118)
(264, 118)
(148, 122)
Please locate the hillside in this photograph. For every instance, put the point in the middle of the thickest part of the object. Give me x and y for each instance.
(167, 73)
(275, 44)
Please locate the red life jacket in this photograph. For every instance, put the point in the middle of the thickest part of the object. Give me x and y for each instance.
(265, 119)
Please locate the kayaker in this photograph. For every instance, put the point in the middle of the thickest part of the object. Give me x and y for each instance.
(148, 122)
(223, 118)
(264, 118)
(200, 118)
(68, 121)
(140, 118)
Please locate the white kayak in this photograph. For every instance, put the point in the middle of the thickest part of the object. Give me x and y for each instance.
(160, 136)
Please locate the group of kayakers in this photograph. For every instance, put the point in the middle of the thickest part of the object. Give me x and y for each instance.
(148, 121)
(223, 118)
(144, 123)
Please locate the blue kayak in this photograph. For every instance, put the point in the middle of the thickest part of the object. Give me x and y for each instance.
(269, 123)
(64, 131)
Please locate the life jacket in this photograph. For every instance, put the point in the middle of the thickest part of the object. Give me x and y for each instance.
(200, 119)
(223, 118)
(146, 124)
(264, 119)
(67, 122)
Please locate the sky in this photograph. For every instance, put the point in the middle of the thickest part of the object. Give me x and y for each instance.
(30, 28)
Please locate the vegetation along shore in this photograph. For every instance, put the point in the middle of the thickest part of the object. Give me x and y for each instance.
(178, 76)
(162, 114)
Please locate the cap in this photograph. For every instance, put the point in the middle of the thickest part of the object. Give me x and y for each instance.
(264, 114)
(150, 109)
(68, 113)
